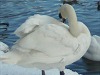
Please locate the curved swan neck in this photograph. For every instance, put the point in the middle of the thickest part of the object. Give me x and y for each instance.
(72, 20)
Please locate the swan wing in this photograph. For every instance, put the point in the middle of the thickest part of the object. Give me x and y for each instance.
(33, 23)
(27, 26)
(50, 39)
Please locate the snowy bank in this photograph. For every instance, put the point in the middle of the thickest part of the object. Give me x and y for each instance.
(9, 69)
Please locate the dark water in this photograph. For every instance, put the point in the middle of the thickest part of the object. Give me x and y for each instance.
(15, 12)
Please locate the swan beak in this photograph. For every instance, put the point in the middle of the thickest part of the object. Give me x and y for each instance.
(63, 20)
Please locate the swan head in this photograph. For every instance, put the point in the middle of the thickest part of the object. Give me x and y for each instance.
(68, 12)
(63, 12)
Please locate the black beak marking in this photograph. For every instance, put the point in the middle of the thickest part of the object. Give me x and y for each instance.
(60, 16)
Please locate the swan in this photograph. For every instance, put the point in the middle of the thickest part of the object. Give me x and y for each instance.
(47, 43)
(93, 52)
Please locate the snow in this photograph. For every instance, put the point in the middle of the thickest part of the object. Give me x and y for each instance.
(3, 46)
(1, 52)
(9, 69)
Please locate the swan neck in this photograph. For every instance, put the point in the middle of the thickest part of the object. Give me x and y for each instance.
(72, 20)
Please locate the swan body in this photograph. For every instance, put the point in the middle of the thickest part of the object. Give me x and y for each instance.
(46, 43)
(93, 52)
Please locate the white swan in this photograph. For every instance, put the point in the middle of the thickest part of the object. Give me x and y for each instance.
(93, 52)
(46, 43)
